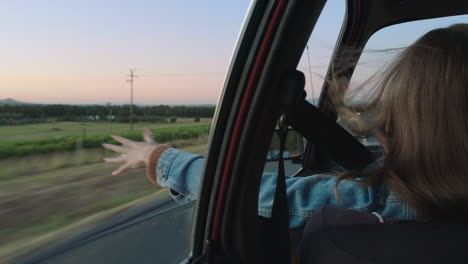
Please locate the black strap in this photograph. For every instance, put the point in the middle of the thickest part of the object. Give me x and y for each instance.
(276, 229)
(280, 211)
(304, 117)
(312, 124)
(276, 237)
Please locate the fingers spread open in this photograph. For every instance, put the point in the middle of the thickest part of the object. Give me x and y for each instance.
(148, 136)
(118, 159)
(115, 148)
(121, 170)
(125, 141)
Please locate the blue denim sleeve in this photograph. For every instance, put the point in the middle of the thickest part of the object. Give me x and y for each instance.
(307, 194)
(180, 172)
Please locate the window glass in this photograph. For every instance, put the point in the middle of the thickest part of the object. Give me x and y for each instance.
(382, 48)
(384, 45)
(75, 72)
(317, 55)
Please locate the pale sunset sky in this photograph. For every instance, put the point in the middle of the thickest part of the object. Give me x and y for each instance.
(79, 52)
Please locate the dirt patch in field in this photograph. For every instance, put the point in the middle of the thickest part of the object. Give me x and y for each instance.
(33, 210)
(37, 202)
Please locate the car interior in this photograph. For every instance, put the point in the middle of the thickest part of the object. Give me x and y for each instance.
(257, 94)
(263, 94)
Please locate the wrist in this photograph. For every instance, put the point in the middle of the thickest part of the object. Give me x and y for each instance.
(152, 162)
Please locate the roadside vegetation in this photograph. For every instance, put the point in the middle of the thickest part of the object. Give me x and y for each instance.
(23, 147)
(22, 114)
(59, 129)
(37, 199)
(52, 175)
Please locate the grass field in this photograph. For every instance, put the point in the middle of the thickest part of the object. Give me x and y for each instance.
(42, 193)
(43, 200)
(34, 143)
(59, 129)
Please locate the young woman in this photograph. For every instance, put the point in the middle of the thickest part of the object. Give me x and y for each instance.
(422, 124)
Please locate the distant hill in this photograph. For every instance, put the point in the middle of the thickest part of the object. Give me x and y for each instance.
(10, 101)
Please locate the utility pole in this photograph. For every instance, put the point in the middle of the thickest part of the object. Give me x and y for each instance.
(132, 76)
(110, 117)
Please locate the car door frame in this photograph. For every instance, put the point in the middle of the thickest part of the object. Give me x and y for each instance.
(246, 117)
(227, 222)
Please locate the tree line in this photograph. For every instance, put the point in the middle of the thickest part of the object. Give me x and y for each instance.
(19, 114)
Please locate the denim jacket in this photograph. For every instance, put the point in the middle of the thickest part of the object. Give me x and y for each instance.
(181, 172)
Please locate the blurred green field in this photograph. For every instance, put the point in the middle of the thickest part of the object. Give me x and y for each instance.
(60, 129)
(40, 194)
(51, 176)
(24, 147)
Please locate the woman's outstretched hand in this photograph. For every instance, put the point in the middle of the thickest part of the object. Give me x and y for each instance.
(134, 154)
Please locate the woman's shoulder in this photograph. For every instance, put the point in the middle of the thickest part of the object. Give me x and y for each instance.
(396, 207)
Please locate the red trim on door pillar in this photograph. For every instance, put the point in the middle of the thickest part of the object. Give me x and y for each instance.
(240, 122)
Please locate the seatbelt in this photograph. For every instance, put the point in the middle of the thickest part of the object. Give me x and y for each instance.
(342, 146)
(276, 235)
(304, 117)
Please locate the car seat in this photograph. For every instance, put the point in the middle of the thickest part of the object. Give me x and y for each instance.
(338, 235)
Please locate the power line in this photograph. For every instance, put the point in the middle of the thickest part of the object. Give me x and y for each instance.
(310, 73)
(182, 74)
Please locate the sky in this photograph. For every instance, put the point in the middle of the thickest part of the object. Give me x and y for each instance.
(80, 52)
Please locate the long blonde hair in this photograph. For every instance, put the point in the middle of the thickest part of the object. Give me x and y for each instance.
(421, 103)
